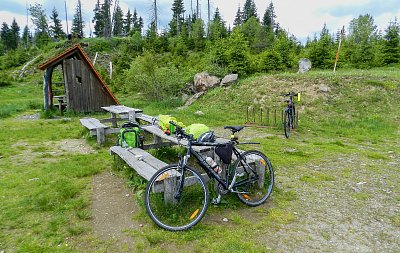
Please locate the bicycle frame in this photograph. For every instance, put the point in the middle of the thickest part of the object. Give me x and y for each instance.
(227, 184)
(291, 109)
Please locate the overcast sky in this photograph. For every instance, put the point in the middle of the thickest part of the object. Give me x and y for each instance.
(301, 18)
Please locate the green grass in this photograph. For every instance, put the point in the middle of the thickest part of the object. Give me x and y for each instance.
(345, 135)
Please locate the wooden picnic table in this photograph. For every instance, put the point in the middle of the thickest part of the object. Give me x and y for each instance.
(124, 113)
(61, 101)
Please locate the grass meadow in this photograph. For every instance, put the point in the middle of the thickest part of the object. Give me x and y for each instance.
(337, 176)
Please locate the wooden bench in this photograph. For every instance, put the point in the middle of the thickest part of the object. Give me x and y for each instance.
(147, 165)
(144, 163)
(97, 128)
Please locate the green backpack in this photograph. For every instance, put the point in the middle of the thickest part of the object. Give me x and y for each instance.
(130, 135)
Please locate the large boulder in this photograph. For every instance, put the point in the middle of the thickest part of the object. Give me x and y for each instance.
(204, 81)
(229, 79)
(304, 65)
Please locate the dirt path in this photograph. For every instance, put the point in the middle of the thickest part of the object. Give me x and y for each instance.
(112, 207)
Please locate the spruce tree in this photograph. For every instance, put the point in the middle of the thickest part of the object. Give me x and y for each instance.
(177, 18)
(198, 35)
(14, 34)
(118, 26)
(249, 10)
(269, 18)
(5, 35)
(77, 21)
(128, 23)
(56, 29)
(217, 28)
(26, 38)
(391, 48)
(98, 20)
(238, 18)
(106, 17)
(138, 23)
(321, 53)
(39, 20)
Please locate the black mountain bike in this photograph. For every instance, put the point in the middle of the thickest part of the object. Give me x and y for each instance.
(289, 115)
(177, 195)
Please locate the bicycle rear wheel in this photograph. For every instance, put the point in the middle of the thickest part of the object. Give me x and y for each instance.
(171, 206)
(286, 123)
(255, 178)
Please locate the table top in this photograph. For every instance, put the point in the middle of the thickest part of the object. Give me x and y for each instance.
(120, 109)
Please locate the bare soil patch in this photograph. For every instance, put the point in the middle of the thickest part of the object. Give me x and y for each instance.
(112, 207)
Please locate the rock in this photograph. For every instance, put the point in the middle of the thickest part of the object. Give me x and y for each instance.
(324, 89)
(203, 81)
(304, 65)
(229, 79)
(199, 113)
(193, 98)
(225, 220)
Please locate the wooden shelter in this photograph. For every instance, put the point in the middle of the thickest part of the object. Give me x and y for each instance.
(85, 90)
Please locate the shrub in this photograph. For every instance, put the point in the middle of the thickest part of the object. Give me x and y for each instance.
(271, 61)
(5, 79)
(152, 80)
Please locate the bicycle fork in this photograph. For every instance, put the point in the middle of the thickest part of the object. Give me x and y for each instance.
(181, 165)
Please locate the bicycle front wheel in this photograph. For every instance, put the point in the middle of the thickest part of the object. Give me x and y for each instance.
(286, 123)
(255, 178)
(176, 199)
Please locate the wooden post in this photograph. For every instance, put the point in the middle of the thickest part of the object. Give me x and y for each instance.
(261, 117)
(114, 119)
(254, 115)
(275, 116)
(46, 89)
(247, 115)
(338, 50)
(157, 141)
(169, 190)
(260, 168)
(132, 116)
(111, 69)
(268, 116)
(101, 137)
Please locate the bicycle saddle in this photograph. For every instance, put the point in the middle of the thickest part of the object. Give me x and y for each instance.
(234, 129)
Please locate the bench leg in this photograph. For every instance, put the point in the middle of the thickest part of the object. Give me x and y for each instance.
(260, 168)
(169, 190)
(158, 143)
(101, 137)
(114, 120)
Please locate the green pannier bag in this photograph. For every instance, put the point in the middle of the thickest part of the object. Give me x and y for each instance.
(130, 135)
(196, 129)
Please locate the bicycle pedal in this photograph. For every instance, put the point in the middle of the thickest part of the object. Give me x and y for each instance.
(217, 200)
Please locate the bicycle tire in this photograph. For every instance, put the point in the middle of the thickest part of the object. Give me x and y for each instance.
(169, 212)
(249, 166)
(286, 123)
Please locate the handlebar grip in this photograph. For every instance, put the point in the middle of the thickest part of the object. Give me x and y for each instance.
(173, 123)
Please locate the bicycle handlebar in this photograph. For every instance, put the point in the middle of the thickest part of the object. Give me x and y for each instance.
(290, 94)
(180, 133)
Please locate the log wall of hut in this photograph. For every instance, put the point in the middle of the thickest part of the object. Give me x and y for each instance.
(84, 92)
